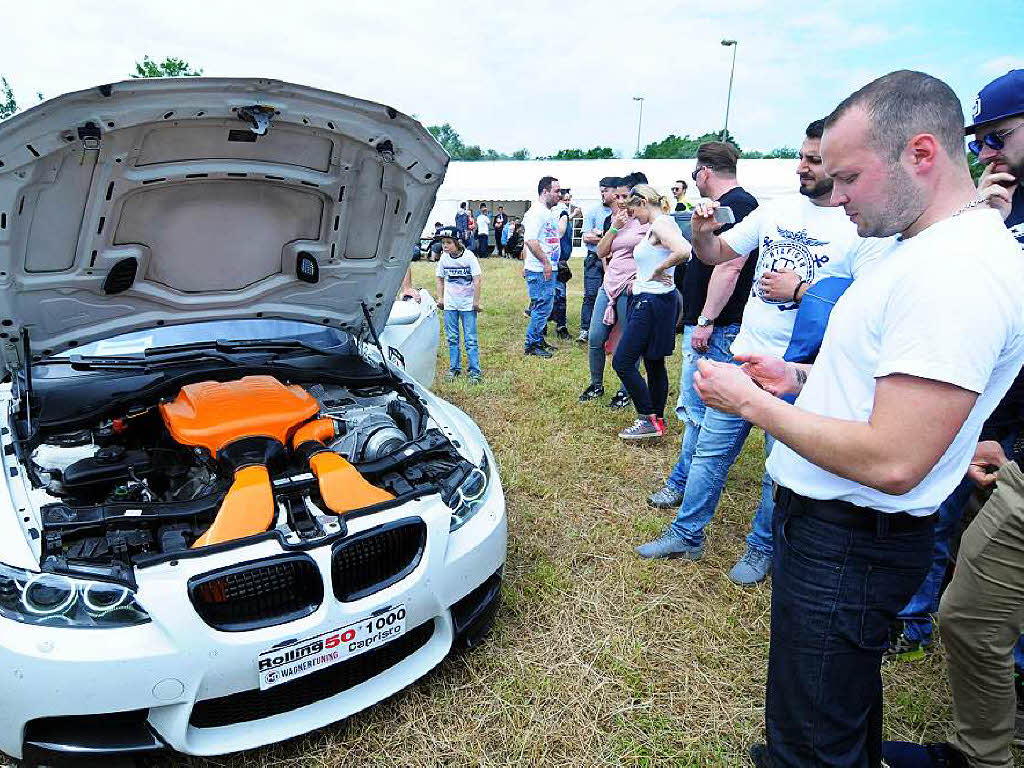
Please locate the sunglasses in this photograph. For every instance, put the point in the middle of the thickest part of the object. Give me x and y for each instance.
(995, 140)
(677, 189)
(697, 171)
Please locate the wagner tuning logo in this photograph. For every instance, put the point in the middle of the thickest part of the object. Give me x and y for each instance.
(792, 252)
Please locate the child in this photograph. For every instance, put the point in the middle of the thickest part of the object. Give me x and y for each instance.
(458, 292)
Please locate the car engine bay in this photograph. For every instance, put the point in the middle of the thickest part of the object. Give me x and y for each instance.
(225, 460)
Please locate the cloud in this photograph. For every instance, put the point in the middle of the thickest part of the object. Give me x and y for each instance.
(1001, 65)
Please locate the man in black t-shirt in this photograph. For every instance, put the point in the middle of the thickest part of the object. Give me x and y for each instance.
(713, 301)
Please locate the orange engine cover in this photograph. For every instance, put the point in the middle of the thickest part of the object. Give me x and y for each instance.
(212, 414)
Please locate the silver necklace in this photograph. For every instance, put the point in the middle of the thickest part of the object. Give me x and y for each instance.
(972, 204)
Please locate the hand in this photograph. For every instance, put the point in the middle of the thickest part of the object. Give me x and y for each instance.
(773, 375)
(620, 218)
(997, 190)
(476, 306)
(700, 336)
(547, 269)
(988, 458)
(411, 294)
(659, 276)
(779, 285)
(724, 386)
(702, 222)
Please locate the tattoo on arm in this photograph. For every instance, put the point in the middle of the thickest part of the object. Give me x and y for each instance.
(801, 377)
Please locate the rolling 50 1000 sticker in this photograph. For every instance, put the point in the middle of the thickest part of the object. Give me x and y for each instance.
(281, 665)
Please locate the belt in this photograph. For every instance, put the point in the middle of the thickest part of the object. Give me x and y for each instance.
(850, 515)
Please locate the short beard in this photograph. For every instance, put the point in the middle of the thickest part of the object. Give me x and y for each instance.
(904, 205)
(823, 187)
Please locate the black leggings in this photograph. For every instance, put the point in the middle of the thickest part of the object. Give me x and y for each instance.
(649, 322)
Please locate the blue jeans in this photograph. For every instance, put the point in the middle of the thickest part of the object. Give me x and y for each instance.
(593, 275)
(599, 332)
(835, 591)
(542, 297)
(452, 317)
(711, 443)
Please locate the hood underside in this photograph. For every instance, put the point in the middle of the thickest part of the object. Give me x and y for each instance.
(166, 201)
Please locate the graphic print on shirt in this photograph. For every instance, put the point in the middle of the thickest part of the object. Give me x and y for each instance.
(791, 252)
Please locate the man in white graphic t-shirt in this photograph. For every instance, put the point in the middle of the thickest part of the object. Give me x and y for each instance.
(801, 240)
(540, 262)
(887, 418)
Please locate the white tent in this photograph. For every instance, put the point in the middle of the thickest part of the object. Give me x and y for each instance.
(514, 183)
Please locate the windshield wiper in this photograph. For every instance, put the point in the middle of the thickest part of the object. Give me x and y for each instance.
(237, 345)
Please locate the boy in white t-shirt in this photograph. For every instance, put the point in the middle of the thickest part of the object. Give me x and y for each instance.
(458, 292)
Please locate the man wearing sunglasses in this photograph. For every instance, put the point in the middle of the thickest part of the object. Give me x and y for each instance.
(679, 193)
(999, 145)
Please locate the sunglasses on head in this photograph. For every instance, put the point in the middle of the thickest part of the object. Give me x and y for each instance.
(995, 140)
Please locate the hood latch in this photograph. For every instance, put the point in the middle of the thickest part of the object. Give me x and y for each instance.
(258, 117)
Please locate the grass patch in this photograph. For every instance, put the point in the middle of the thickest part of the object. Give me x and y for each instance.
(598, 658)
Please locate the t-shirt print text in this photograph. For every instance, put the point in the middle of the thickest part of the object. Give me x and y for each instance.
(792, 251)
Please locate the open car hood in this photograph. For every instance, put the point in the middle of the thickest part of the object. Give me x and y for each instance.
(156, 202)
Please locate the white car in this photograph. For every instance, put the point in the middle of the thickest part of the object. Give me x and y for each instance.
(231, 513)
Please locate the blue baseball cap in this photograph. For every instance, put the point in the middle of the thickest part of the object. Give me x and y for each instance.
(1003, 97)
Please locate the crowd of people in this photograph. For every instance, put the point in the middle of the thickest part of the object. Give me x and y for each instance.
(873, 327)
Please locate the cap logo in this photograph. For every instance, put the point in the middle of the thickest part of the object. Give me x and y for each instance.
(976, 109)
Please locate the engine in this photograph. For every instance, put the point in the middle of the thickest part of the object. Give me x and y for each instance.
(228, 460)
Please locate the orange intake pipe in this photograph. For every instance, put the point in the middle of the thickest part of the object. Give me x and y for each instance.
(247, 509)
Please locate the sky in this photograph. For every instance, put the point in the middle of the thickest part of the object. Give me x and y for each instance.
(533, 74)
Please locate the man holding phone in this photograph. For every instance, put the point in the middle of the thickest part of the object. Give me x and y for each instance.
(799, 241)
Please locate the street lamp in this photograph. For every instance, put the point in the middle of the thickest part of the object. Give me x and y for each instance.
(639, 121)
(728, 98)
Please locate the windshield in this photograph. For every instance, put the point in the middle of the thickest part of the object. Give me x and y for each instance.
(134, 343)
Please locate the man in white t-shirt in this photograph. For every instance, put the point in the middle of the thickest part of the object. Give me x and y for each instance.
(801, 239)
(916, 355)
(540, 262)
(483, 230)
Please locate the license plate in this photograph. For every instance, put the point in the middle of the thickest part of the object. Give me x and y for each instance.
(325, 650)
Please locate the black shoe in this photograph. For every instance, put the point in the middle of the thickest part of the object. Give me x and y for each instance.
(536, 350)
(621, 399)
(905, 754)
(548, 347)
(901, 647)
(563, 332)
(592, 392)
(758, 754)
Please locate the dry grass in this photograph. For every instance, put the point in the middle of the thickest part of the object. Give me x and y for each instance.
(598, 658)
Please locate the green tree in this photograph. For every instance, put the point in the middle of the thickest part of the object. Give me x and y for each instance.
(596, 153)
(169, 67)
(784, 153)
(8, 104)
(449, 138)
(521, 154)
(673, 146)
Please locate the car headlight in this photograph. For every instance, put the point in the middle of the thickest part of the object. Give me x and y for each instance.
(470, 494)
(54, 600)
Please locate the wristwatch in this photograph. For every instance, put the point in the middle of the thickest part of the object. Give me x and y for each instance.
(704, 322)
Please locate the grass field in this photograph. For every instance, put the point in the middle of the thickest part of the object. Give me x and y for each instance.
(597, 658)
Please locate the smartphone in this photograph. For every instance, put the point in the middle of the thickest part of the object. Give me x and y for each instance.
(724, 215)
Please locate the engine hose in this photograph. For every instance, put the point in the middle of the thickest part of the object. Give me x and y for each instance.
(247, 509)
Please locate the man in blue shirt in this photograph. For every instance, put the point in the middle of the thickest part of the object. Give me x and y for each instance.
(593, 268)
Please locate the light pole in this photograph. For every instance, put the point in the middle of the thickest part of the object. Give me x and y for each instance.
(728, 98)
(639, 122)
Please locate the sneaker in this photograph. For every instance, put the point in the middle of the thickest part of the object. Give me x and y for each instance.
(548, 347)
(644, 428)
(452, 376)
(592, 392)
(752, 568)
(584, 336)
(905, 754)
(666, 498)
(758, 754)
(669, 546)
(660, 424)
(901, 646)
(562, 332)
(620, 399)
(476, 378)
(535, 350)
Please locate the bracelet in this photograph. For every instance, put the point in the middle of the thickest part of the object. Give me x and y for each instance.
(797, 290)
(613, 231)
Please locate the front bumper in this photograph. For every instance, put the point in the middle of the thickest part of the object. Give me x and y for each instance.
(176, 682)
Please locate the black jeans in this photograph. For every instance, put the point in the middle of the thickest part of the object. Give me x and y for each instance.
(647, 327)
(836, 588)
(593, 276)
